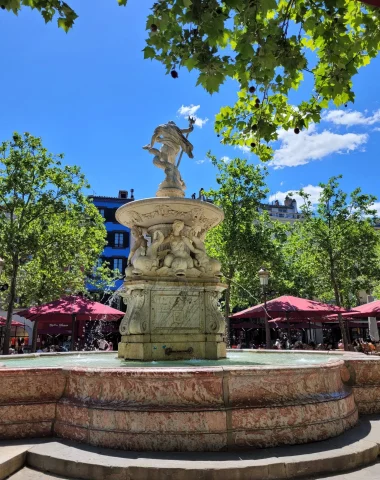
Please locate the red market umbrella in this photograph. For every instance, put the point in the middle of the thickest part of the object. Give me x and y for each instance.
(14, 323)
(290, 307)
(294, 325)
(71, 309)
(246, 325)
(371, 309)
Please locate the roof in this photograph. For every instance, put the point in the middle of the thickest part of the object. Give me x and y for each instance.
(292, 307)
(122, 200)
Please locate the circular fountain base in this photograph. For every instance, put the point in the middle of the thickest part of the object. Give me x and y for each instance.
(180, 409)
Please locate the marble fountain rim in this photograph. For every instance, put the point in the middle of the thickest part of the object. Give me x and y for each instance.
(170, 201)
(181, 370)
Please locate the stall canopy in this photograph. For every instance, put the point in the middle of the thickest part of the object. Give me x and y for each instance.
(64, 309)
(246, 325)
(371, 309)
(14, 323)
(301, 324)
(292, 308)
(70, 310)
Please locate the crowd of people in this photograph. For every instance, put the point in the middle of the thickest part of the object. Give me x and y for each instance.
(100, 344)
(358, 345)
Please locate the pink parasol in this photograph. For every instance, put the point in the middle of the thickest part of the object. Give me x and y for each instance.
(290, 307)
(71, 309)
(66, 307)
(14, 323)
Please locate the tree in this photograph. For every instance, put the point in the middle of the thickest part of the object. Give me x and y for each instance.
(267, 47)
(246, 237)
(48, 9)
(338, 245)
(50, 233)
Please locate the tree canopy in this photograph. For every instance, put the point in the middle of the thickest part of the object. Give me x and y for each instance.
(246, 238)
(50, 233)
(334, 252)
(269, 47)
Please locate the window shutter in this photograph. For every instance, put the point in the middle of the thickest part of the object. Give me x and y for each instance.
(126, 240)
(124, 265)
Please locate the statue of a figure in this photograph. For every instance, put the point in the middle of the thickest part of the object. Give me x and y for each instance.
(143, 260)
(179, 258)
(173, 141)
(140, 242)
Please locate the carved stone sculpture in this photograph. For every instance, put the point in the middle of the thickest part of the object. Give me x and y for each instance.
(140, 243)
(172, 286)
(173, 140)
(147, 263)
(178, 259)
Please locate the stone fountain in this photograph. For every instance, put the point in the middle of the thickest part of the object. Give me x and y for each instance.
(172, 289)
(172, 286)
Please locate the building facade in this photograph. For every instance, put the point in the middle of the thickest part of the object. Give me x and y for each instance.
(286, 213)
(118, 245)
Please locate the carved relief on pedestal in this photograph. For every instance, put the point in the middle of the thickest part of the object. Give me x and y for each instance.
(176, 310)
(179, 253)
(215, 322)
(135, 319)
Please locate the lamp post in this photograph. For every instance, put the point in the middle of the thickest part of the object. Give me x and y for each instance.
(264, 279)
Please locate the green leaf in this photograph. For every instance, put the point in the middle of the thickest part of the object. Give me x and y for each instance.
(191, 63)
(149, 52)
(62, 23)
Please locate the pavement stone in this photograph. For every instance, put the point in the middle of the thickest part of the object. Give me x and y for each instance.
(371, 472)
(29, 474)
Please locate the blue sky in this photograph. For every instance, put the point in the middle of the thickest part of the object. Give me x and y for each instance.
(91, 95)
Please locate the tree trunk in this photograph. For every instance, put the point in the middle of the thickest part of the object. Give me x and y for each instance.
(35, 335)
(338, 303)
(11, 301)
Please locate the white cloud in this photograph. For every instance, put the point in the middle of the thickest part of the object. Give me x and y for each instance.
(310, 145)
(376, 206)
(281, 184)
(349, 118)
(226, 159)
(199, 162)
(191, 110)
(377, 129)
(244, 148)
(312, 190)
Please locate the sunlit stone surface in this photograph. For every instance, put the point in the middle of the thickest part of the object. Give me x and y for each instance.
(172, 286)
(189, 407)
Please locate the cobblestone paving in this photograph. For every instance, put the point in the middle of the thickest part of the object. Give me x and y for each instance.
(368, 473)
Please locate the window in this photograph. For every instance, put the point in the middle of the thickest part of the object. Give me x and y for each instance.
(118, 264)
(119, 240)
(102, 212)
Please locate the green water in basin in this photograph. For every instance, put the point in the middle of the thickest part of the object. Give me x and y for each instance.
(110, 360)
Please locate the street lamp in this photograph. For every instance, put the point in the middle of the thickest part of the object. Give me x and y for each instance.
(264, 279)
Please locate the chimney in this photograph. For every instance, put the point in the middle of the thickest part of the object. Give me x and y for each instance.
(123, 194)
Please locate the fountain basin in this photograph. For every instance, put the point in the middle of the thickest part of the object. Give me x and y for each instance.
(211, 408)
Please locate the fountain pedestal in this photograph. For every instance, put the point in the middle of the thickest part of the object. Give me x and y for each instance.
(172, 286)
(171, 320)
